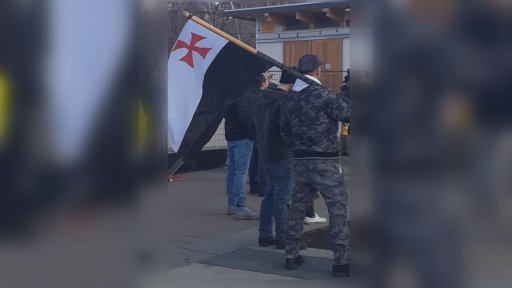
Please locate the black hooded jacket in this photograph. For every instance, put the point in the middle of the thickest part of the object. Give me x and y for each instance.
(239, 117)
(271, 145)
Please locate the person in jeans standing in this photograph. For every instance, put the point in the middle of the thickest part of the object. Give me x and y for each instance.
(277, 163)
(257, 178)
(240, 134)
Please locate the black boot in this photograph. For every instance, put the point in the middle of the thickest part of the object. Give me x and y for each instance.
(265, 242)
(340, 271)
(253, 189)
(294, 263)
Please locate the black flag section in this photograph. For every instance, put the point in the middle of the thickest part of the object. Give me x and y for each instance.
(230, 76)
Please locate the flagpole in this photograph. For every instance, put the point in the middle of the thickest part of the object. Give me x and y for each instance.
(241, 44)
(237, 42)
(221, 33)
(174, 168)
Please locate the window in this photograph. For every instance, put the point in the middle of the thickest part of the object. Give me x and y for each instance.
(294, 24)
(322, 21)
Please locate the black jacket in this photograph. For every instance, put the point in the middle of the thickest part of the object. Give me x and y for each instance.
(239, 118)
(271, 146)
(345, 90)
(310, 119)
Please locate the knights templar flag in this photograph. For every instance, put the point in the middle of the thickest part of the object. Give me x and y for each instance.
(205, 73)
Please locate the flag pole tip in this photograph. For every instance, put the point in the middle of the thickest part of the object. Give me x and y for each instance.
(187, 14)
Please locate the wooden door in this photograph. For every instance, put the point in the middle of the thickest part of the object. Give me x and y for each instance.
(332, 80)
(330, 51)
(293, 50)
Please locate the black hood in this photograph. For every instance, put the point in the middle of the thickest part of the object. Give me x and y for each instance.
(272, 94)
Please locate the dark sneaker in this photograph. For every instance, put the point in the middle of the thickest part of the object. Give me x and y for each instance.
(265, 242)
(253, 189)
(302, 245)
(340, 271)
(294, 263)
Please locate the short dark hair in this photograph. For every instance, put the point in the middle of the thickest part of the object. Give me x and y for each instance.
(260, 79)
(309, 63)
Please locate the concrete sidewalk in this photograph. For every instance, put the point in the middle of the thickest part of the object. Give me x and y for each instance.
(206, 245)
(197, 213)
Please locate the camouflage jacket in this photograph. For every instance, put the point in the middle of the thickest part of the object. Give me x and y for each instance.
(309, 120)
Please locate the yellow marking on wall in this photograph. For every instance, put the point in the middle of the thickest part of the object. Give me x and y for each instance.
(4, 106)
(142, 126)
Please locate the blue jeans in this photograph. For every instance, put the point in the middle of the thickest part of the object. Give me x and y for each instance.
(257, 177)
(239, 155)
(278, 194)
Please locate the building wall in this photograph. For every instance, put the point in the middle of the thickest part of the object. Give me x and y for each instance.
(362, 56)
(272, 49)
(280, 34)
(346, 54)
(272, 43)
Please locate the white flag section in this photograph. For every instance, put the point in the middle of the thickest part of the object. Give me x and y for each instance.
(194, 51)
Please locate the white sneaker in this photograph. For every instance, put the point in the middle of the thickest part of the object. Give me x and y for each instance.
(316, 220)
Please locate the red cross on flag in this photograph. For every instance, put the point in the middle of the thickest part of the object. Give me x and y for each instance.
(205, 73)
(191, 48)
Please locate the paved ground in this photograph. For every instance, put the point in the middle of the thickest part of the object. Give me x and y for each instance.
(197, 214)
(203, 241)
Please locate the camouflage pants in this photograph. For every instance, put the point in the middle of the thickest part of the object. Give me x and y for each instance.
(325, 176)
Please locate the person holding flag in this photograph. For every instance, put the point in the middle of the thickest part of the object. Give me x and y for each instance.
(277, 162)
(309, 121)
